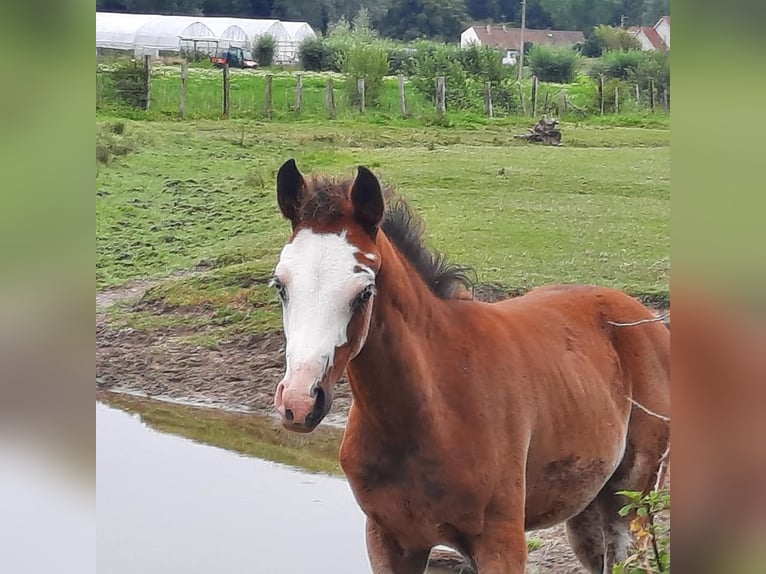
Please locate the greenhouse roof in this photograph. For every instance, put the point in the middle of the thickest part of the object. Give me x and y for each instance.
(157, 32)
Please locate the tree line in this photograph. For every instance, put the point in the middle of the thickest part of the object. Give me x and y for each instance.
(412, 19)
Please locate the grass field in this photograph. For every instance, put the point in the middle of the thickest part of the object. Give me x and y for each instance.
(179, 193)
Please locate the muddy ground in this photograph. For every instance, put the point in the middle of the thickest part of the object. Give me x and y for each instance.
(239, 374)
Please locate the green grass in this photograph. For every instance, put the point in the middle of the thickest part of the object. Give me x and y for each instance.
(594, 211)
(252, 435)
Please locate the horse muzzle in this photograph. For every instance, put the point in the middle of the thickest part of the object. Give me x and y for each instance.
(302, 406)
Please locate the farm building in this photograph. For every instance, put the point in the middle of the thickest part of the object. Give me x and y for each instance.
(655, 37)
(508, 39)
(155, 34)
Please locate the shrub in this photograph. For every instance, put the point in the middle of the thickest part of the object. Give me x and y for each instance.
(401, 60)
(484, 62)
(604, 38)
(552, 64)
(433, 60)
(315, 55)
(264, 48)
(366, 61)
(652, 66)
(618, 64)
(126, 84)
(652, 550)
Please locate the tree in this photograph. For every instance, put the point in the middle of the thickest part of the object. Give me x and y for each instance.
(411, 19)
(483, 9)
(236, 8)
(582, 14)
(653, 10)
(181, 7)
(311, 11)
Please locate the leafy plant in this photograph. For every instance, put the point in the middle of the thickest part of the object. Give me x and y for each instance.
(651, 552)
(125, 83)
(552, 64)
(315, 55)
(369, 62)
(264, 48)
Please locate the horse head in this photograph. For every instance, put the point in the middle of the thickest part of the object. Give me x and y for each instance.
(325, 279)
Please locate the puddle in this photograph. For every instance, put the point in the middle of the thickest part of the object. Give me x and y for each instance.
(168, 504)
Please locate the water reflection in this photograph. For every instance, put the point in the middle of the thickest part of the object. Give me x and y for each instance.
(170, 505)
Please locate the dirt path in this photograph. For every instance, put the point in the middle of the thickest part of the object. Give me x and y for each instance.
(237, 374)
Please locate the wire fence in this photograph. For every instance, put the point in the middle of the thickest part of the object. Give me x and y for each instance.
(156, 90)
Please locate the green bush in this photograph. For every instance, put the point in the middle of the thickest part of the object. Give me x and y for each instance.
(315, 55)
(433, 60)
(604, 38)
(366, 61)
(551, 64)
(651, 552)
(401, 60)
(484, 62)
(124, 84)
(264, 48)
(619, 64)
(636, 68)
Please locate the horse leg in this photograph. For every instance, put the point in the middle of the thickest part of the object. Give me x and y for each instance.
(500, 549)
(387, 557)
(586, 537)
(599, 536)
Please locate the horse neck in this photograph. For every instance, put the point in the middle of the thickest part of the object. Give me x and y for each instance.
(388, 380)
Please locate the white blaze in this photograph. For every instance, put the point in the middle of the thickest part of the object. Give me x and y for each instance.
(317, 270)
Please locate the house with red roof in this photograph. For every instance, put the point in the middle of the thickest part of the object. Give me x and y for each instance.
(655, 37)
(507, 39)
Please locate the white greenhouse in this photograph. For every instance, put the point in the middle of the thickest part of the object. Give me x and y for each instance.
(298, 32)
(118, 31)
(273, 28)
(152, 34)
(173, 34)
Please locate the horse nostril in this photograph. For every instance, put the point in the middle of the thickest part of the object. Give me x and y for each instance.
(289, 414)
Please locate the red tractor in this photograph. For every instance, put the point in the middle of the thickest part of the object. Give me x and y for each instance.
(235, 57)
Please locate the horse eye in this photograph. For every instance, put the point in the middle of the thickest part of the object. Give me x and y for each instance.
(281, 289)
(363, 297)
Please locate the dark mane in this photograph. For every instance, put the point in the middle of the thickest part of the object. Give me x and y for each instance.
(324, 201)
(406, 231)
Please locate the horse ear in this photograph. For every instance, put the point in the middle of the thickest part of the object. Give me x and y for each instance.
(367, 199)
(290, 185)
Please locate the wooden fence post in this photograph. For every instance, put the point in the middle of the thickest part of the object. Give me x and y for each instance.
(148, 80)
(226, 90)
(535, 89)
(601, 92)
(402, 97)
(360, 93)
(267, 104)
(299, 93)
(488, 99)
(651, 95)
(666, 99)
(184, 78)
(638, 97)
(616, 98)
(441, 99)
(521, 99)
(330, 99)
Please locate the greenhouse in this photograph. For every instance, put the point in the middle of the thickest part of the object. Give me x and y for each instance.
(153, 34)
(298, 32)
(174, 34)
(118, 31)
